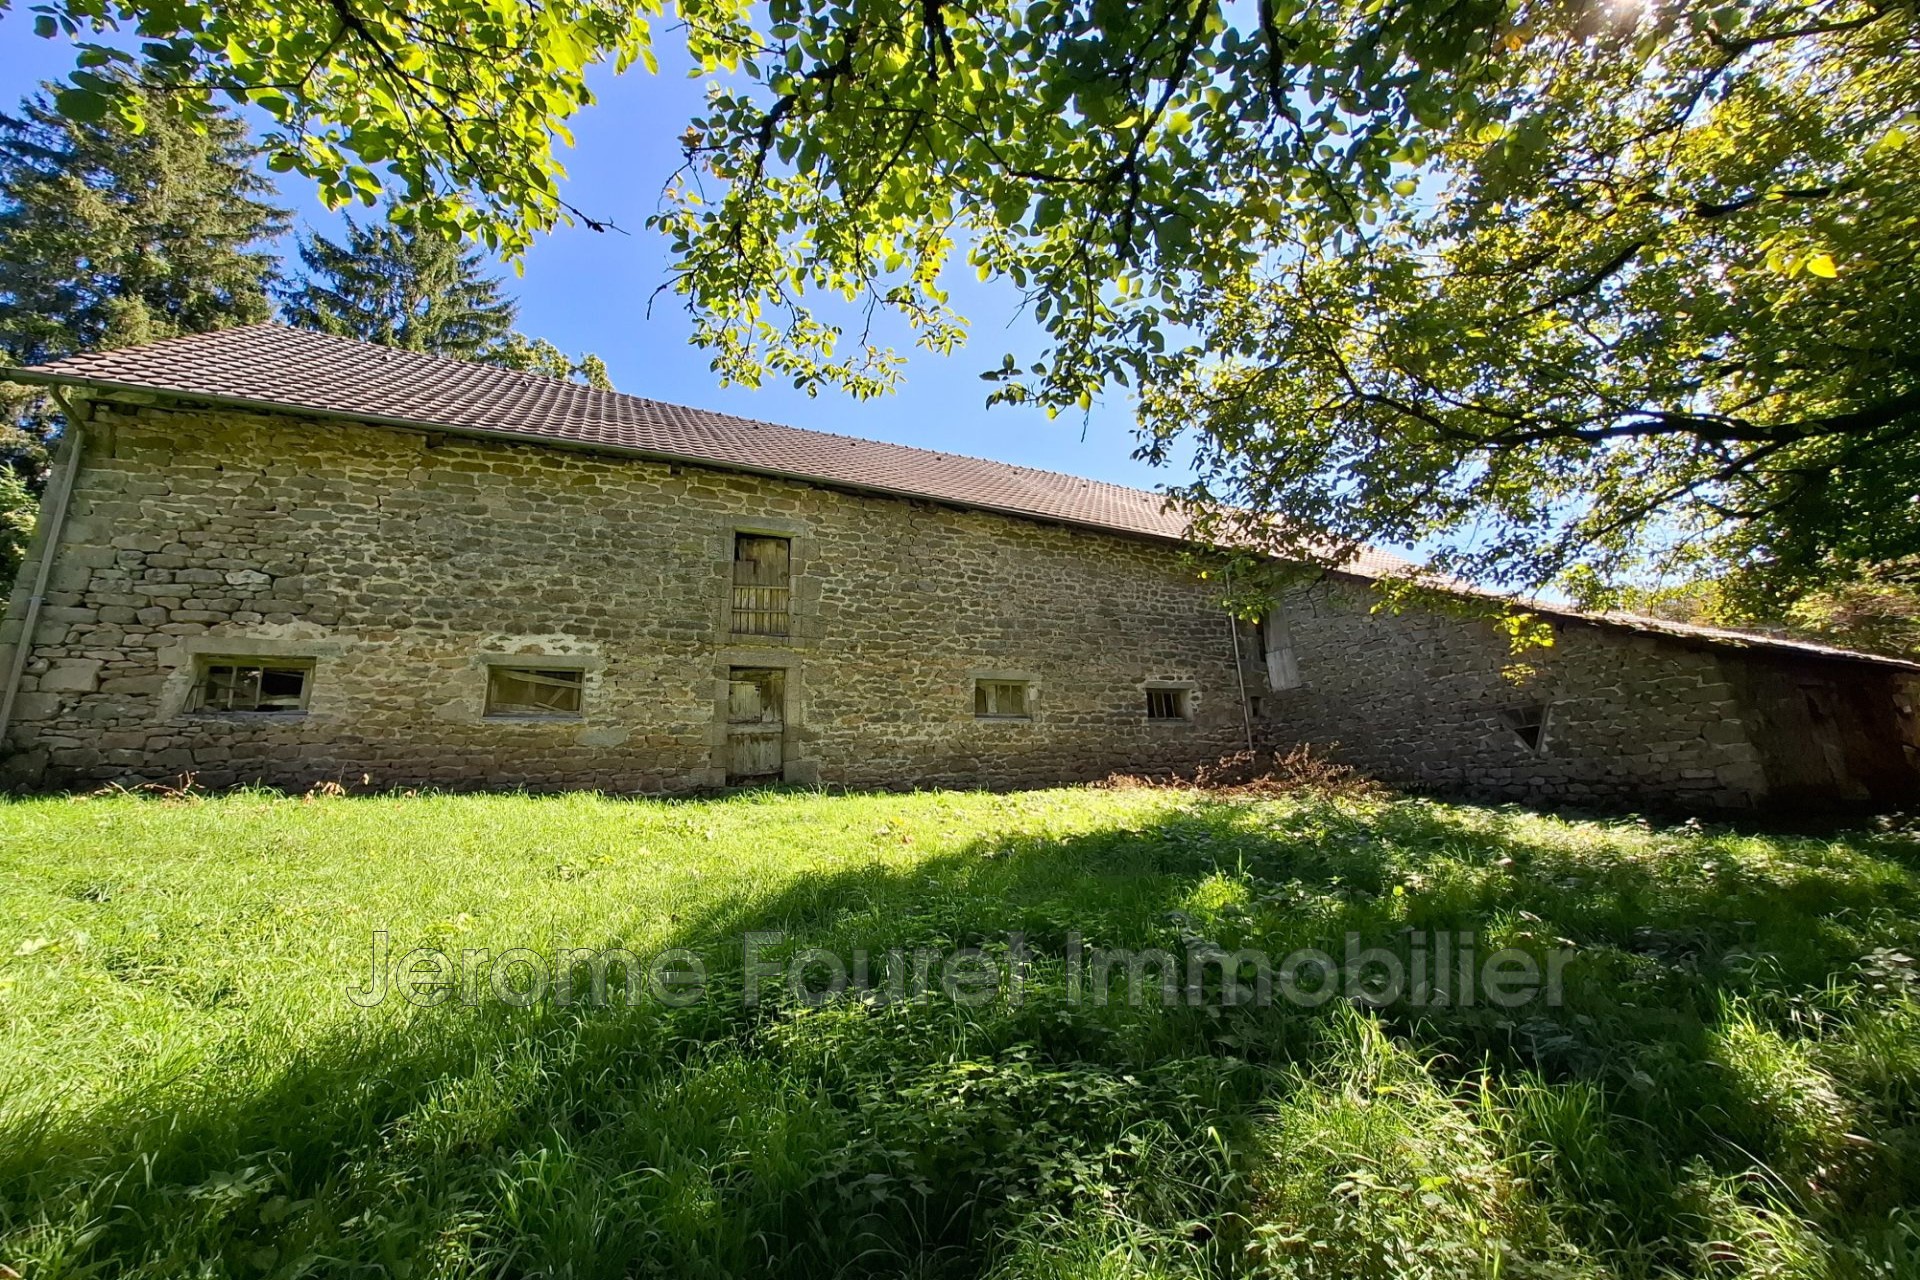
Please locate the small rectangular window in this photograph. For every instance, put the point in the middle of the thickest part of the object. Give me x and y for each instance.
(253, 685)
(762, 585)
(1166, 704)
(1002, 700)
(534, 691)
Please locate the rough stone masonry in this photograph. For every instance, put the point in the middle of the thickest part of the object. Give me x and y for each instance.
(397, 567)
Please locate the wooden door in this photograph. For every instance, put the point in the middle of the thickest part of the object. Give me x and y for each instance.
(756, 723)
(1283, 670)
(762, 585)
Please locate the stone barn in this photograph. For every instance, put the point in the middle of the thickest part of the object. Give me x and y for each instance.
(271, 555)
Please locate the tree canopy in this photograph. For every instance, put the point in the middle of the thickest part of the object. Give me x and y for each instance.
(460, 102)
(108, 239)
(400, 287)
(19, 511)
(1565, 290)
(537, 355)
(1875, 608)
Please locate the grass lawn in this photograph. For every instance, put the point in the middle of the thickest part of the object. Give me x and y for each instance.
(1729, 1086)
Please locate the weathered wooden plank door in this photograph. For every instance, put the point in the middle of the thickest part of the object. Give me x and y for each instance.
(1283, 670)
(756, 723)
(762, 585)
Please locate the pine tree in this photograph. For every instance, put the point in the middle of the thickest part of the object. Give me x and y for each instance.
(402, 287)
(109, 238)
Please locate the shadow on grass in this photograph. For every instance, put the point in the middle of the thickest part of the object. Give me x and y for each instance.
(1712, 1033)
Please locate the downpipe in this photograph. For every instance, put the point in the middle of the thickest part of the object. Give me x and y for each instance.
(1239, 672)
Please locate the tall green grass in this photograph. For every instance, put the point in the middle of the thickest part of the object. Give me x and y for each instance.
(1728, 1090)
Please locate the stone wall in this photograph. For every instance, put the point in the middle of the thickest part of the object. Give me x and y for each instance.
(401, 562)
(1831, 732)
(1629, 718)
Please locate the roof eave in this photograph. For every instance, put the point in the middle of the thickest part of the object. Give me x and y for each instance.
(156, 394)
(1683, 633)
(151, 394)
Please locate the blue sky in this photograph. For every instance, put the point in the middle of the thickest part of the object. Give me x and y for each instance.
(589, 292)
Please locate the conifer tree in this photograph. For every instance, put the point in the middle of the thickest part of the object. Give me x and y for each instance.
(404, 287)
(109, 238)
(397, 286)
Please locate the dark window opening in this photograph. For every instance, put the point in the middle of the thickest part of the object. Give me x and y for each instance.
(1166, 704)
(534, 691)
(1529, 724)
(762, 584)
(228, 684)
(1002, 700)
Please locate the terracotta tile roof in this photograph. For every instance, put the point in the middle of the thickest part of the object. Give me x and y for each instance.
(278, 367)
(1715, 637)
(271, 364)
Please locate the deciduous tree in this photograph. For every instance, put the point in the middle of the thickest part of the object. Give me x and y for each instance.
(537, 355)
(1566, 290)
(19, 510)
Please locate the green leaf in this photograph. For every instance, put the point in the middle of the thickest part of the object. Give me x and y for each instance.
(82, 104)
